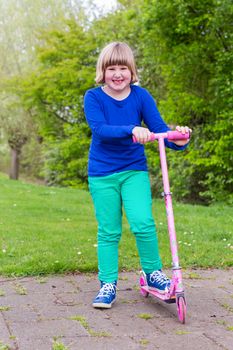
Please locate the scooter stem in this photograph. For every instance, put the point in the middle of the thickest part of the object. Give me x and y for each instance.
(168, 202)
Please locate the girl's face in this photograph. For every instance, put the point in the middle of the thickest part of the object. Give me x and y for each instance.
(117, 78)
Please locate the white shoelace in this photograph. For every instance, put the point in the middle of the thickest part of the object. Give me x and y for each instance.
(107, 289)
(159, 277)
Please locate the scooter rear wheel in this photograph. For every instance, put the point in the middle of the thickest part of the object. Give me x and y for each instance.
(142, 284)
(181, 309)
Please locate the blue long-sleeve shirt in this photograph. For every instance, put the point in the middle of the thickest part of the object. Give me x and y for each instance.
(111, 121)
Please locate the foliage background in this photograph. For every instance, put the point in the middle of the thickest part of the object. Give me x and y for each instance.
(184, 55)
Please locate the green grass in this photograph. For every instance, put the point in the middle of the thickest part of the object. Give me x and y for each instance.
(57, 345)
(145, 316)
(46, 230)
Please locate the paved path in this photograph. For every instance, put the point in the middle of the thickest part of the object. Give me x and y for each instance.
(55, 313)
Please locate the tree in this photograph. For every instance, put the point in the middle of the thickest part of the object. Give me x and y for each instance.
(188, 47)
(54, 94)
(20, 22)
(17, 127)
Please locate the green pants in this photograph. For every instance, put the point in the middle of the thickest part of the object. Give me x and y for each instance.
(130, 189)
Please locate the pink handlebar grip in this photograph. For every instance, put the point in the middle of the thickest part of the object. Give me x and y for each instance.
(176, 135)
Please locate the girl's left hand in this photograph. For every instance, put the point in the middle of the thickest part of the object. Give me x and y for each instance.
(183, 130)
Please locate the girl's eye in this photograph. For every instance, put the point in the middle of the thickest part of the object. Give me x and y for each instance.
(113, 68)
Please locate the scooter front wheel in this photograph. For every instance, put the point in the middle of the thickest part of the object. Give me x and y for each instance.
(181, 308)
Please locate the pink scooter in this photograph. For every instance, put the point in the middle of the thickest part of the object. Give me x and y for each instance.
(176, 292)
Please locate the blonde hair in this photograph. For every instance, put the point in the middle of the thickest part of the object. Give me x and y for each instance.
(115, 53)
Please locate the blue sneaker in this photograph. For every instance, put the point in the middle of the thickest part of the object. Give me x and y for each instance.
(106, 296)
(157, 280)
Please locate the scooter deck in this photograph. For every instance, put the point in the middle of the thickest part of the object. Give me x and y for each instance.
(170, 299)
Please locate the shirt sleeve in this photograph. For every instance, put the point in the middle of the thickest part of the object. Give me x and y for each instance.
(154, 121)
(96, 120)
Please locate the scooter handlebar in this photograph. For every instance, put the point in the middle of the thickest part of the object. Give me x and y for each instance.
(170, 135)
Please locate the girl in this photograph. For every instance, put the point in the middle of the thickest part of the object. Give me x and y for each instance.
(117, 168)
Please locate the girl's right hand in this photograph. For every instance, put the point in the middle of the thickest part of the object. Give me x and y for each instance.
(141, 134)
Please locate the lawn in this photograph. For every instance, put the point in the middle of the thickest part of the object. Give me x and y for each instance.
(46, 230)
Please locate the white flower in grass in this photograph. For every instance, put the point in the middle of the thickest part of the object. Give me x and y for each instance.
(79, 253)
(95, 245)
(4, 251)
(224, 239)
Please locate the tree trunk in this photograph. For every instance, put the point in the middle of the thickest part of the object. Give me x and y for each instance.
(14, 170)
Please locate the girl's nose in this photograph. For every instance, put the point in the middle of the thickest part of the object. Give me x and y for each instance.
(117, 73)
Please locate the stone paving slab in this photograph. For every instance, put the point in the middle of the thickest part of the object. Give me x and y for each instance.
(55, 313)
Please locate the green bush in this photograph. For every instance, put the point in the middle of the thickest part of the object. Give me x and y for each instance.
(66, 157)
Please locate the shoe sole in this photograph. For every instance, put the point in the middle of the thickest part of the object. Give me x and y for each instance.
(103, 305)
